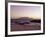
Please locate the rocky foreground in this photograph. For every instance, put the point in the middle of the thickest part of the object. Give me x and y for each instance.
(25, 24)
(18, 27)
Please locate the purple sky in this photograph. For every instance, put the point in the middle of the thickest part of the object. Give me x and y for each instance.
(25, 11)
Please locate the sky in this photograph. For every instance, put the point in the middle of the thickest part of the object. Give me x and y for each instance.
(17, 11)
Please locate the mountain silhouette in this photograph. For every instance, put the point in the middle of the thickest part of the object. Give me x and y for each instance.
(25, 20)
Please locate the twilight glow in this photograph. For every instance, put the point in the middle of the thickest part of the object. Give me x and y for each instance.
(25, 11)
